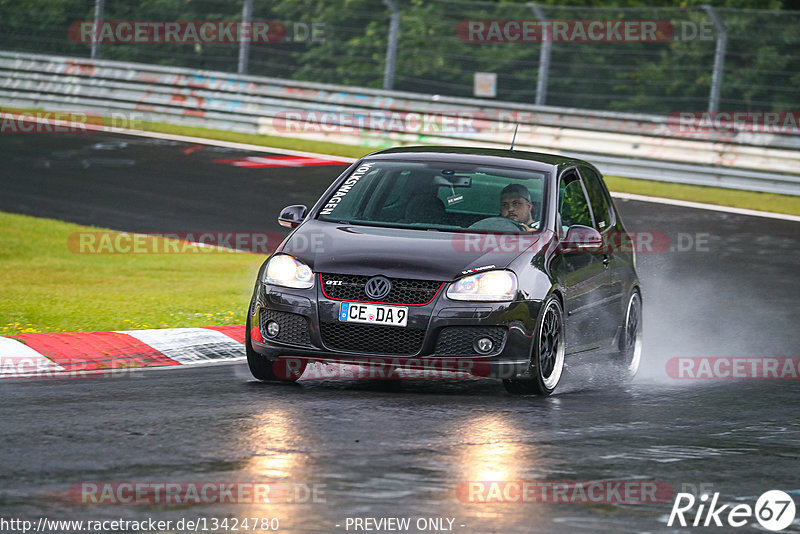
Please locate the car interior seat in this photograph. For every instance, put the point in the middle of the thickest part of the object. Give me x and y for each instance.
(423, 205)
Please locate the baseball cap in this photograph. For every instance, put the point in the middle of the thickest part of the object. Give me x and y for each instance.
(516, 190)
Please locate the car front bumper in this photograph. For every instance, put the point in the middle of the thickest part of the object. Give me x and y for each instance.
(439, 335)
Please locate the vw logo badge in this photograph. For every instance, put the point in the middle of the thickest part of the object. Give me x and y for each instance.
(377, 287)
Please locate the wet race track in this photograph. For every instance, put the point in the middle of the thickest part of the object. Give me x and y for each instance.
(336, 450)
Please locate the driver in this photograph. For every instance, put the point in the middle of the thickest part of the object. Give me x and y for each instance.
(515, 204)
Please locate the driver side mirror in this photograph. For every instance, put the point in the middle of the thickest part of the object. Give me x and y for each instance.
(582, 238)
(292, 216)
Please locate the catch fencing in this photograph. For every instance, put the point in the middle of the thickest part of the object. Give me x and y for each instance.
(698, 58)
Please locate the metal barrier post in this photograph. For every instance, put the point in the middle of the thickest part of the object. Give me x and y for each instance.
(719, 59)
(391, 46)
(544, 58)
(98, 18)
(244, 42)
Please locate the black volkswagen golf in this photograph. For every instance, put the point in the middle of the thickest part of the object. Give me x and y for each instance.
(502, 261)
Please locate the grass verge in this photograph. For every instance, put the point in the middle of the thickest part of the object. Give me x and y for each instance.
(47, 287)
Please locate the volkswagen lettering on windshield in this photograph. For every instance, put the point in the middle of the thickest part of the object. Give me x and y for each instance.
(346, 186)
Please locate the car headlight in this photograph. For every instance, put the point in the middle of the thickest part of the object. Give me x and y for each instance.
(491, 285)
(284, 270)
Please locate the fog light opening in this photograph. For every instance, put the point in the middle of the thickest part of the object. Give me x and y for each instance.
(483, 345)
(273, 329)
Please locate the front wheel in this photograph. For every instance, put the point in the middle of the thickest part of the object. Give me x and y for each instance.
(547, 356)
(264, 369)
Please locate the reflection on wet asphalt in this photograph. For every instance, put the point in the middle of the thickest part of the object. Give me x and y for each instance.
(407, 448)
(391, 448)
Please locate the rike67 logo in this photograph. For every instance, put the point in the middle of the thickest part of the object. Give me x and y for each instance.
(774, 510)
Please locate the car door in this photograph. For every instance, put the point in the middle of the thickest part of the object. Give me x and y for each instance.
(610, 291)
(583, 274)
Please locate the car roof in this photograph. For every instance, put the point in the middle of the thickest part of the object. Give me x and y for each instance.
(485, 156)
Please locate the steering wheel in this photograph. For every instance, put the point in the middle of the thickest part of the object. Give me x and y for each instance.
(499, 224)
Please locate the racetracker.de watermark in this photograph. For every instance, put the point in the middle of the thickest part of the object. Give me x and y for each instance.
(381, 368)
(782, 122)
(613, 242)
(47, 122)
(186, 493)
(205, 242)
(565, 31)
(67, 122)
(564, 492)
(39, 368)
(433, 122)
(728, 368)
(195, 32)
(201, 242)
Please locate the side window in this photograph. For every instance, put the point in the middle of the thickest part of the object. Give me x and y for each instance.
(574, 208)
(597, 198)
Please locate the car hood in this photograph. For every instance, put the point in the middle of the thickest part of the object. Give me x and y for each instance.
(401, 253)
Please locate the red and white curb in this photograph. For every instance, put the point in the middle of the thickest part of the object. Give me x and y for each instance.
(60, 354)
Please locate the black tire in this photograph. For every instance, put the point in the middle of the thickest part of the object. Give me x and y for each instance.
(547, 354)
(629, 357)
(263, 369)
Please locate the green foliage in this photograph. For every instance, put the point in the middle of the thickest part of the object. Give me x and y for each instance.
(761, 63)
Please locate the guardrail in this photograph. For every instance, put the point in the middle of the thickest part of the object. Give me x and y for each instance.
(634, 145)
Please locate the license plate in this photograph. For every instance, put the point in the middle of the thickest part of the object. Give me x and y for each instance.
(373, 314)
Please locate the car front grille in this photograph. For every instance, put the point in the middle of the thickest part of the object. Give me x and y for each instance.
(404, 290)
(460, 339)
(374, 339)
(293, 327)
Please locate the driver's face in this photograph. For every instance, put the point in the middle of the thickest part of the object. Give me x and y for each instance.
(516, 208)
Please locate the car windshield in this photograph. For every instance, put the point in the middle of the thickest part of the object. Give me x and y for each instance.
(438, 196)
